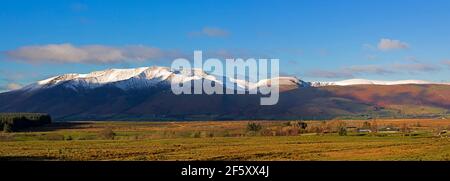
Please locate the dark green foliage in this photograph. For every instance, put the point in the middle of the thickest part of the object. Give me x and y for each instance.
(15, 121)
(68, 138)
(196, 134)
(251, 126)
(342, 131)
(302, 125)
(342, 128)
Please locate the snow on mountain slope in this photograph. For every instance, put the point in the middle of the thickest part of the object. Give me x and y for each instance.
(152, 76)
(372, 82)
(146, 77)
(122, 78)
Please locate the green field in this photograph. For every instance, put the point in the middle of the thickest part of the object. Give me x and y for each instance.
(230, 140)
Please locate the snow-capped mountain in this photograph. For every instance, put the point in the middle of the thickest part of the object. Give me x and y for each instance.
(145, 94)
(143, 77)
(121, 78)
(372, 82)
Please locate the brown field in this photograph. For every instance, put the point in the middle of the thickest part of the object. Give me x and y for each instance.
(415, 139)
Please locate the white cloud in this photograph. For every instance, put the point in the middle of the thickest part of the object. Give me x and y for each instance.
(358, 70)
(412, 59)
(389, 44)
(351, 71)
(370, 47)
(78, 7)
(139, 52)
(370, 69)
(97, 54)
(446, 62)
(329, 74)
(210, 32)
(371, 57)
(415, 67)
(10, 87)
(13, 86)
(231, 54)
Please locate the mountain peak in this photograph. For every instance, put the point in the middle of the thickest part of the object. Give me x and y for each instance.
(151, 76)
(145, 77)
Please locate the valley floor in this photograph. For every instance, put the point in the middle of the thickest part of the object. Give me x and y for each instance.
(223, 141)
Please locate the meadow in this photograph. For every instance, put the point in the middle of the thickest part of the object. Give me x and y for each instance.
(390, 139)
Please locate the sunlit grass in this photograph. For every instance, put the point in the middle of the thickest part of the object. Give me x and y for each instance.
(221, 141)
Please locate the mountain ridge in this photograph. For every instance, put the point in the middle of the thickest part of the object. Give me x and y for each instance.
(145, 94)
(151, 76)
(373, 82)
(147, 77)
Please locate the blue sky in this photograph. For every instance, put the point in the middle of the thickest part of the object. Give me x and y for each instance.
(314, 39)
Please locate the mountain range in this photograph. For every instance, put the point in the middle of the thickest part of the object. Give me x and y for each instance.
(145, 94)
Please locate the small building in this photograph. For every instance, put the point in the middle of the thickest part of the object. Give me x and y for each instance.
(363, 130)
(389, 128)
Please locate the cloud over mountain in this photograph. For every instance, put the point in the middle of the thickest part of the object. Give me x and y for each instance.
(90, 54)
(351, 71)
(357, 70)
(210, 32)
(10, 86)
(416, 67)
(329, 74)
(446, 62)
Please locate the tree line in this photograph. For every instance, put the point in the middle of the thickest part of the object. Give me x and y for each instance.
(11, 122)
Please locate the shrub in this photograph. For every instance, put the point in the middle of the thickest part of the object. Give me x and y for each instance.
(315, 129)
(324, 127)
(251, 133)
(374, 127)
(405, 129)
(418, 124)
(267, 132)
(366, 125)
(196, 134)
(293, 132)
(342, 131)
(255, 127)
(68, 138)
(7, 128)
(205, 134)
(226, 134)
(288, 131)
(107, 133)
(302, 125)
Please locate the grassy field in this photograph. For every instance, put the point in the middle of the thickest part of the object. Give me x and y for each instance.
(415, 139)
